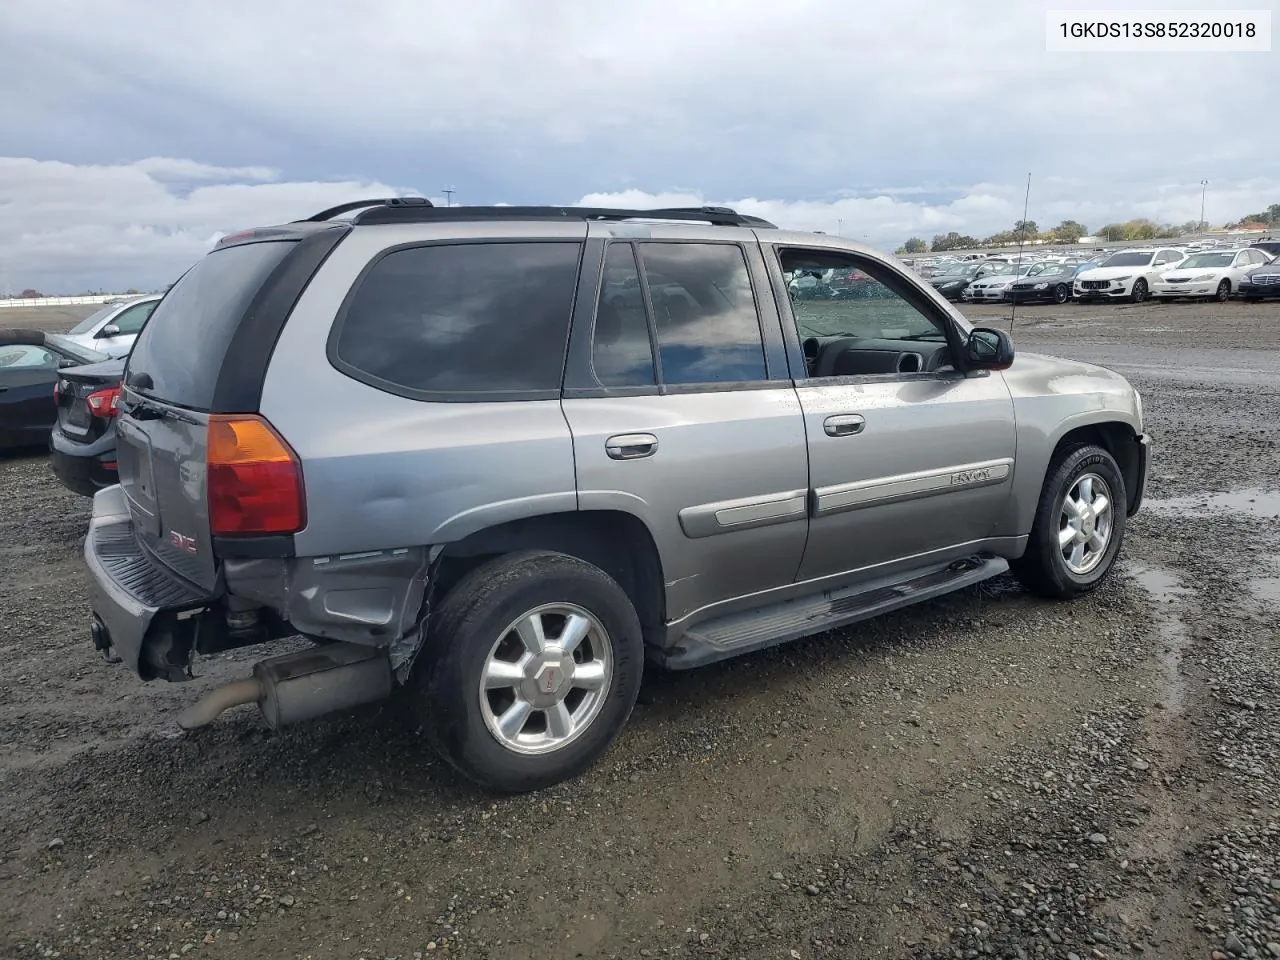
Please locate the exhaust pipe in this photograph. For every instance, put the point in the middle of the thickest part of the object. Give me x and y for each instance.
(300, 686)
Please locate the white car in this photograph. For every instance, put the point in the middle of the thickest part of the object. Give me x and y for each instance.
(995, 286)
(1127, 274)
(1214, 274)
(113, 329)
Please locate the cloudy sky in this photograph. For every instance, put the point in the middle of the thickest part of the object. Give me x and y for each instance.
(134, 132)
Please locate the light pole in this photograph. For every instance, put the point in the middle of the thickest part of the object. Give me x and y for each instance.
(1204, 185)
(448, 196)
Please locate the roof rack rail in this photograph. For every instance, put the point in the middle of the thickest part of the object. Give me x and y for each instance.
(389, 212)
(392, 202)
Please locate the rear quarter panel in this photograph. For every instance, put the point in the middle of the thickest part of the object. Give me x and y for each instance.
(382, 471)
(1052, 397)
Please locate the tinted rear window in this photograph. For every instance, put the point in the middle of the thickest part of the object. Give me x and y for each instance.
(183, 344)
(474, 320)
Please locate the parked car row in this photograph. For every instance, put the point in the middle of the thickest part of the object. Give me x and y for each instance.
(62, 391)
(1133, 275)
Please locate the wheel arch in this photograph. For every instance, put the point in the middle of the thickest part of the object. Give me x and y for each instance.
(617, 542)
(1118, 438)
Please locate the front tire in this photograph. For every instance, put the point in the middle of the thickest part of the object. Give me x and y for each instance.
(1139, 292)
(1224, 291)
(531, 667)
(1061, 294)
(1079, 525)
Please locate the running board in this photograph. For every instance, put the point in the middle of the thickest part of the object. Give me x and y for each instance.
(738, 633)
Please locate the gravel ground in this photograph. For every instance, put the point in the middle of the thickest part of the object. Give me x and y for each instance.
(987, 775)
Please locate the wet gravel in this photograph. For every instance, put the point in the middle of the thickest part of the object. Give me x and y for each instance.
(987, 775)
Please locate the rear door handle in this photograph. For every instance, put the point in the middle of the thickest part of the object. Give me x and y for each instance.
(843, 425)
(631, 446)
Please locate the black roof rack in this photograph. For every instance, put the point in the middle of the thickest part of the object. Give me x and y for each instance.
(421, 210)
(392, 202)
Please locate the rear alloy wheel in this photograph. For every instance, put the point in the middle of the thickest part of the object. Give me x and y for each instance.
(1139, 292)
(1224, 291)
(1061, 294)
(1079, 525)
(531, 666)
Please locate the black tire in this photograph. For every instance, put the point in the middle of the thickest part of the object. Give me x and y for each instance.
(1224, 291)
(1139, 292)
(1061, 294)
(464, 628)
(1043, 568)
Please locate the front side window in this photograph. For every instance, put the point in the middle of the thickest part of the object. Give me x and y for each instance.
(873, 309)
(704, 313)
(464, 318)
(132, 320)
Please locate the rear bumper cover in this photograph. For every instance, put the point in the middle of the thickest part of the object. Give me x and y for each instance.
(81, 467)
(130, 593)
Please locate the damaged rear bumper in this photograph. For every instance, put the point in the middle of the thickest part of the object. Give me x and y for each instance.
(137, 602)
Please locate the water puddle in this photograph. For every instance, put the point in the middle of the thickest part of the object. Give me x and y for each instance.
(1167, 593)
(1265, 583)
(1264, 504)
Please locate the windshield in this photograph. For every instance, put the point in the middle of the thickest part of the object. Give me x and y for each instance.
(1128, 259)
(1207, 260)
(74, 350)
(92, 320)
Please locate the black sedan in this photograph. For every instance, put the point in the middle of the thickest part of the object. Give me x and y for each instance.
(31, 363)
(1050, 283)
(1260, 283)
(952, 284)
(82, 446)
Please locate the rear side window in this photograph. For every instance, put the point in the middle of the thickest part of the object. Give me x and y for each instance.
(462, 321)
(183, 344)
(623, 353)
(704, 313)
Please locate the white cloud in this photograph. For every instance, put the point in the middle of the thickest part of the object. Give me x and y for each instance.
(73, 227)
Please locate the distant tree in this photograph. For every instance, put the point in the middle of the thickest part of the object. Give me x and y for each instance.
(1112, 232)
(953, 241)
(1069, 231)
(1191, 226)
(130, 292)
(1026, 229)
(1002, 239)
(30, 294)
(915, 245)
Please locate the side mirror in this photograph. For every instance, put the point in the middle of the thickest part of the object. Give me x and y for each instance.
(64, 362)
(988, 349)
(110, 330)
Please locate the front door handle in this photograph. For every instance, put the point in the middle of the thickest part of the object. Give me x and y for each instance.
(631, 446)
(843, 425)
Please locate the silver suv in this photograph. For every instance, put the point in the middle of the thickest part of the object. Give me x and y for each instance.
(502, 456)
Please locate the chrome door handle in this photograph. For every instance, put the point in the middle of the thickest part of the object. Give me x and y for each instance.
(631, 446)
(843, 425)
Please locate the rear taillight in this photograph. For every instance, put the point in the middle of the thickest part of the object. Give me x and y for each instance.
(104, 403)
(254, 480)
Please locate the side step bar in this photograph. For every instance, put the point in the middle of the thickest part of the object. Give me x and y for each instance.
(777, 623)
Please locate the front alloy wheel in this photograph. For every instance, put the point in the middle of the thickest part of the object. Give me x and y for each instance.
(1084, 528)
(1079, 524)
(1139, 293)
(1224, 291)
(1061, 294)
